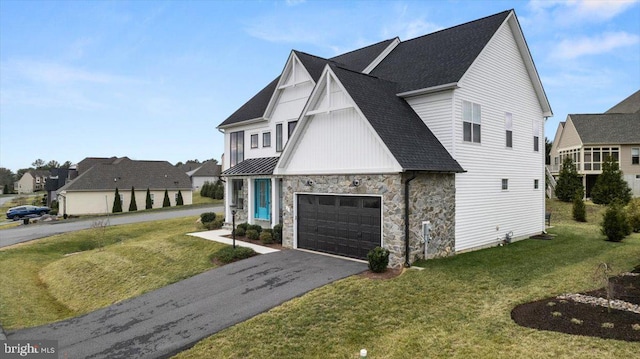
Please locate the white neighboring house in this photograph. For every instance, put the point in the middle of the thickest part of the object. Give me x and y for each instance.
(209, 171)
(93, 191)
(427, 147)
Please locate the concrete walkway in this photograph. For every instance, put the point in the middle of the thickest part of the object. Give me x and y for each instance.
(218, 236)
(166, 321)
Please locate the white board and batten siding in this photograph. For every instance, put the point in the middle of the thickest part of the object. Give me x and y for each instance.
(337, 141)
(499, 82)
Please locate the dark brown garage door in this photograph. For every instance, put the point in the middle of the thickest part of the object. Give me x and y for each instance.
(343, 225)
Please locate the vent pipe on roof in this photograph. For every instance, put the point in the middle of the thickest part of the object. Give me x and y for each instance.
(407, 264)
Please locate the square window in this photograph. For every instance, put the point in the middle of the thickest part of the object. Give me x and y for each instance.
(505, 184)
(266, 139)
(254, 141)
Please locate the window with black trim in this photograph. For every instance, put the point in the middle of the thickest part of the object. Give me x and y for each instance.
(536, 143)
(254, 141)
(266, 139)
(471, 119)
(279, 137)
(292, 126)
(505, 184)
(536, 184)
(635, 156)
(508, 127)
(236, 150)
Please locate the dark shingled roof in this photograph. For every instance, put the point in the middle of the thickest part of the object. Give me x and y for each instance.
(207, 169)
(438, 58)
(253, 166)
(410, 141)
(630, 104)
(158, 175)
(358, 60)
(613, 128)
(254, 108)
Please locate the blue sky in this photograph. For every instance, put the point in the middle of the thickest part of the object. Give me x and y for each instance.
(151, 80)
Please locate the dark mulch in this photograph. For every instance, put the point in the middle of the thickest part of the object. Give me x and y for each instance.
(277, 246)
(543, 314)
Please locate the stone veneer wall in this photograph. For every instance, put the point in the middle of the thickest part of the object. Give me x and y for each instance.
(432, 197)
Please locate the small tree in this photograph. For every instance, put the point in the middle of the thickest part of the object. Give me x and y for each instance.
(633, 214)
(133, 206)
(579, 210)
(117, 203)
(149, 203)
(569, 181)
(180, 200)
(615, 224)
(610, 185)
(5, 190)
(166, 202)
(219, 191)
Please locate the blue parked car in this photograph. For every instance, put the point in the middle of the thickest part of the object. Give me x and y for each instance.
(27, 211)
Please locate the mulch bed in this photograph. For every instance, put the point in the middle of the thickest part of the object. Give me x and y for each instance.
(571, 317)
(277, 246)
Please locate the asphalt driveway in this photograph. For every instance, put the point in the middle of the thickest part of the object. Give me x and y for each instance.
(168, 320)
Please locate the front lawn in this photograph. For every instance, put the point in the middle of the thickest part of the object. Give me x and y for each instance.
(71, 274)
(456, 307)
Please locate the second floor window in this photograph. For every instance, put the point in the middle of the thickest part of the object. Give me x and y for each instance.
(292, 126)
(635, 156)
(236, 149)
(266, 139)
(471, 115)
(254, 141)
(279, 137)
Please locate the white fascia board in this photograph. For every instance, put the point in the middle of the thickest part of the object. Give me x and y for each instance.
(242, 123)
(382, 56)
(351, 171)
(428, 90)
(288, 67)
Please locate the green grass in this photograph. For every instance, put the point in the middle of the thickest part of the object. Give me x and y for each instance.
(456, 307)
(198, 199)
(75, 273)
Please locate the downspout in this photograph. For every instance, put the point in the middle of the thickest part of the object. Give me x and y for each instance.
(406, 219)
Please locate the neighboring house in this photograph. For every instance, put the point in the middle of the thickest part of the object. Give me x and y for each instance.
(94, 189)
(58, 177)
(589, 138)
(427, 147)
(209, 171)
(31, 181)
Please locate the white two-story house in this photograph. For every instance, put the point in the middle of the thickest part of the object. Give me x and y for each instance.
(426, 147)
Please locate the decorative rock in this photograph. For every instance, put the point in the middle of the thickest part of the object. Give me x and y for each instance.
(603, 302)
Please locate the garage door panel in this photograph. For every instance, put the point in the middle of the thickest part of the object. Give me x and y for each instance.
(342, 225)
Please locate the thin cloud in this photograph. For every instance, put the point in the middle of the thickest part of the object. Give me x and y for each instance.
(55, 74)
(569, 13)
(583, 46)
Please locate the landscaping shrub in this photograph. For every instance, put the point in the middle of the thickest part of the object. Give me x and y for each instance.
(133, 206)
(253, 234)
(207, 217)
(166, 202)
(579, 211)
(569, 181)
(256, 227)
(230, 254)
(117, 203)
(148, 202)
(179, 200)
(633, 214)
(378, 259)
(615, 224)
(215, 224)
(266, 237)
(610, 186)
(277, 233)
(240, 232)
(244, 226)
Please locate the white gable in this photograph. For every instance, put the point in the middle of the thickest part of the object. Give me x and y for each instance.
(292, 91)
(334, 137)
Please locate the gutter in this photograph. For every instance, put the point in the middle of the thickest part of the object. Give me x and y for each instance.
(406, 219)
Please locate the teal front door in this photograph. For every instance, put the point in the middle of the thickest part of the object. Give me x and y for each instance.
(263, 199)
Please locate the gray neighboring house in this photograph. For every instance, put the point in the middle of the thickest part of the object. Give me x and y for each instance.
(58, 177)
(589, 138)
(199, 173)
(92, 192)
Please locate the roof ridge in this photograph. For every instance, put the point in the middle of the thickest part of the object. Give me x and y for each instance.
(457, 26)
(362, 48)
